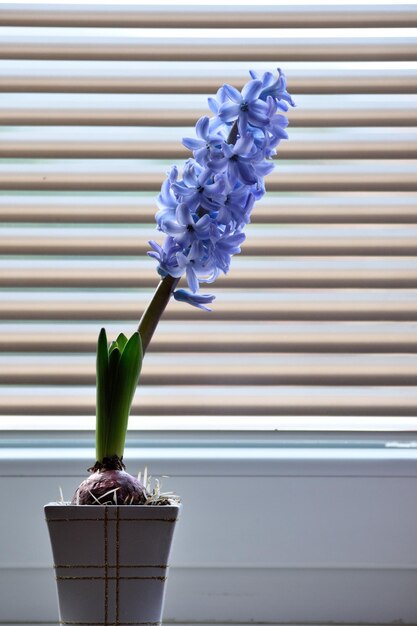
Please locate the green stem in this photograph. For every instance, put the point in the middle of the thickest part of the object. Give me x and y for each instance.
(155, 309)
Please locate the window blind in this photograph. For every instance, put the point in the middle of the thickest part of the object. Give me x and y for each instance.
(315, 327)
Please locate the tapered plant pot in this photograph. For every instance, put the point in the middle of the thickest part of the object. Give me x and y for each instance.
(111, 562)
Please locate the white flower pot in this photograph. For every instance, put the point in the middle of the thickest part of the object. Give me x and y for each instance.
(111, 562)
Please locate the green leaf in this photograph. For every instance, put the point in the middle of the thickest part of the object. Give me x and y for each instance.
(121, 341)
(102, 404)
(123, 391)
(113, 345)
(114, 360)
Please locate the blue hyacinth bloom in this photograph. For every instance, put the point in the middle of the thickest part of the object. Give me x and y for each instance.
(198, 188)
(246, 107)
(204, 212)
(186, 228)
(199, 300)
(275, 87)
(208, 143)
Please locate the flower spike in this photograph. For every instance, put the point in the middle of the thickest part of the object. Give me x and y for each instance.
(206, 210)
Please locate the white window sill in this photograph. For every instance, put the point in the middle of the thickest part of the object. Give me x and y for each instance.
(269, 533)
(392, 458)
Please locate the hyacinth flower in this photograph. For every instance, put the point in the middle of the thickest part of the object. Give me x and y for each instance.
(203, 216)
(208, 141)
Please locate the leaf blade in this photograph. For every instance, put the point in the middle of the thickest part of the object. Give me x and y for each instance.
(121, 341)
(124, 388)
(102, 399)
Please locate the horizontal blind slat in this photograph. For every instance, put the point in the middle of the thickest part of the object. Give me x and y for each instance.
(98, 49)
(93, 181)
(363, 371)
(131, 149)
(280, 341)
(151, 182)
(79, 116)
(42, 210)
(378, 16)
(343, 404)
(251, 279)
(272, 245)
(321, 85)
(306, 307)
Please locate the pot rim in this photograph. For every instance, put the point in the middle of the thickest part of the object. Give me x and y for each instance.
(62, 505)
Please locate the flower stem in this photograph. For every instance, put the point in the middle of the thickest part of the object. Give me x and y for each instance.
(155, 309)
(233, 134)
